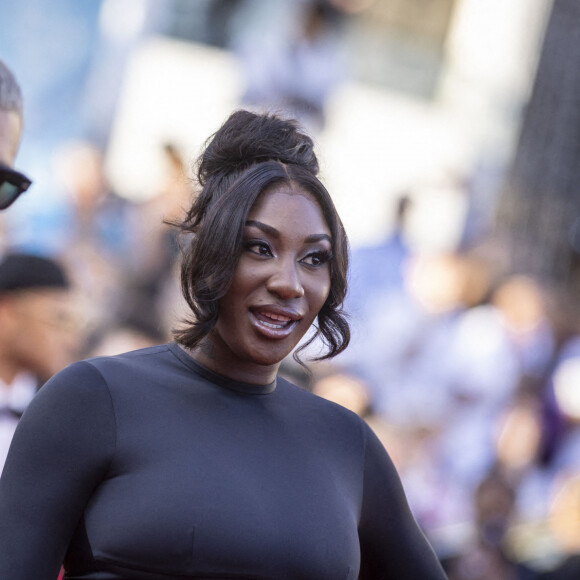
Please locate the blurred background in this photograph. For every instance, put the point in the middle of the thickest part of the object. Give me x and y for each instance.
(449, 136)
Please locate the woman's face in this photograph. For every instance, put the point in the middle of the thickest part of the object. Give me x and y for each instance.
(280, 284)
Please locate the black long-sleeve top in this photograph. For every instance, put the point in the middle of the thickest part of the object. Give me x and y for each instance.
(149, 466)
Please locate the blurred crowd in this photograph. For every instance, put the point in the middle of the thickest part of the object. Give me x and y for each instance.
(468, 373)
(470, 376)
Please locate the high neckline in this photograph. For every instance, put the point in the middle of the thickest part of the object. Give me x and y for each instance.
(220, 380)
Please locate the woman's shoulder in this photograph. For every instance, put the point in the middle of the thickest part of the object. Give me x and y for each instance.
(98, 372)
(149, 361)
(139, 356)
(324, 408)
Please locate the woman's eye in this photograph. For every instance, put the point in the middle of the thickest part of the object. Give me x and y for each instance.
(316, 258)
(259, 248)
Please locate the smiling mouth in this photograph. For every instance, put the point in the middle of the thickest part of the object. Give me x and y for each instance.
(273, 324)
(274, 320)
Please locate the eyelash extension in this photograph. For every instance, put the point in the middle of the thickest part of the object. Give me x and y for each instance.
(249, 244)
(323, 255)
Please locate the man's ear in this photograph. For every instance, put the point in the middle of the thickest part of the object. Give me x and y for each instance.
(8, 314)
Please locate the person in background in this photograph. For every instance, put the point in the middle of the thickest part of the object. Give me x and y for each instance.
(87, 229)
(12, 182)
(296, 69)
(152, 294)
(195, 459)
(35, 337)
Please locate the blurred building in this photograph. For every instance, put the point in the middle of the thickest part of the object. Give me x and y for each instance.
(539, 219)
(430, 89)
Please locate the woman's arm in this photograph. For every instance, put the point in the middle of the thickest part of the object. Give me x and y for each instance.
(60, 452)
(392, 544)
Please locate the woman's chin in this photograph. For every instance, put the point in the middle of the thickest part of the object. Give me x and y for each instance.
(270, 359)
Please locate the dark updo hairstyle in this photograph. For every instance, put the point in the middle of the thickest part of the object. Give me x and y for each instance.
(247, 155)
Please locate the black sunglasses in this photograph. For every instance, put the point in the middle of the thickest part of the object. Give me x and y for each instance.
(12, 184)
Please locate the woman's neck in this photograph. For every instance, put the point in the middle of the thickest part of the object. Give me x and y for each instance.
(242, 371)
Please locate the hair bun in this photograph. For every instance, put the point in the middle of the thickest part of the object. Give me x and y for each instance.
(247, 138)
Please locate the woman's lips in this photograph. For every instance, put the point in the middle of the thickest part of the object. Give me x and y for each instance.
(274, 324)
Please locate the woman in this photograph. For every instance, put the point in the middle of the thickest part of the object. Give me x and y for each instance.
(193, 459)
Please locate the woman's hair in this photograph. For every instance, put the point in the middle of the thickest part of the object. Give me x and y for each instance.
(247, 155)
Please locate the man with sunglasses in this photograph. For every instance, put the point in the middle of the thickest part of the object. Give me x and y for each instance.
(12, 183)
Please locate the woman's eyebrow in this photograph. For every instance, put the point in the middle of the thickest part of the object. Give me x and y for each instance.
(318, 238)
(264, 227)
(271, 231)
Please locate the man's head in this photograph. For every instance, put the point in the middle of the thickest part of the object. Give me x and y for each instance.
(12, 183)
(10, 116)
(36, 334)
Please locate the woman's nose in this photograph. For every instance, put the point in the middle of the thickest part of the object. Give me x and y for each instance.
(285, 280)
